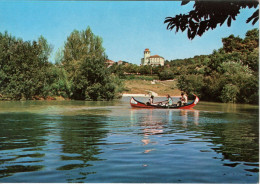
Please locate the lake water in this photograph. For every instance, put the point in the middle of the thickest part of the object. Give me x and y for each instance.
(78, 141)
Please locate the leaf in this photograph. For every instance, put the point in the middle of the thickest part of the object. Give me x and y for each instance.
(196, 18)
(202, 28)
(193, 34)
(170, 26)
(222, 21)
(183, 27)
(254, 16)
(254, 21)
(168, 19)
(177, 28)
(233, 17)
(184, 2)
(191, 24)
(229, 21)
(189, 33)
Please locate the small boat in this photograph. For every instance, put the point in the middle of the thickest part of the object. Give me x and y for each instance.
(135, 103)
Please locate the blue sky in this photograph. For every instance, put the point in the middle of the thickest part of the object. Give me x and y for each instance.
(127, 27)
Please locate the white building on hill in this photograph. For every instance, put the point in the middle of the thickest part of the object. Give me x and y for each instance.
(152, 60)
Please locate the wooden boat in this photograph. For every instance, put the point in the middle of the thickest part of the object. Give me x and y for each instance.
(136, 104)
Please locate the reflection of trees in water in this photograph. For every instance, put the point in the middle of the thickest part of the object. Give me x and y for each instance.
(238, 141)
(233, 136)
(80, 138)
(21, 136)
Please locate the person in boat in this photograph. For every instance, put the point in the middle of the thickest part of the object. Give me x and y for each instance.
(183, 99)
(150, 100)
(169, 100)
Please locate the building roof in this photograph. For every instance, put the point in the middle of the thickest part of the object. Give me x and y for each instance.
(156, 56)
(109, 61)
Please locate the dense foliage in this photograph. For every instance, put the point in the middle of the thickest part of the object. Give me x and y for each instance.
(84, 61)
(80, 71)
(227, 75)
(208, 15)
(23, 67)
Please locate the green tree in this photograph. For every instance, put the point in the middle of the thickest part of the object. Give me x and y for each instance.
(130, 68)
(237, 77)
(145, 69)
(23, 67)
(232, 43)
(252, 36)
(229, 74)
(84, 60)
(59, 56)
(46, 48)
(229, 93)
(166, 74)
(252, 60)
(191, 84)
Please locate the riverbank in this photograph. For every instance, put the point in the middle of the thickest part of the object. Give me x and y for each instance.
(147, 88)
(134, 87)
(48, 98)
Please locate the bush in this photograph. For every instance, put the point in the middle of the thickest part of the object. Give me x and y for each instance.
(229, 93)
(191, 84)
(166, 74)
(249, 91)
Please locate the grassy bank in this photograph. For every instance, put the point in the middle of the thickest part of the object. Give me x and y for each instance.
(162, 88)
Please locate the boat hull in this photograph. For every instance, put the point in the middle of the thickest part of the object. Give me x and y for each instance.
(137, 104)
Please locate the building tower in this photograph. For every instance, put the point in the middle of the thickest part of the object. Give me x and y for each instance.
(146, 56)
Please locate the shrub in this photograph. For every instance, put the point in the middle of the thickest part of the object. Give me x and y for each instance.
(166, 74)
(229, 93)
(191, 84)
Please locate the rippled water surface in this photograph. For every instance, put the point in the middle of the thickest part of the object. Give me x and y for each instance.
(77, 141)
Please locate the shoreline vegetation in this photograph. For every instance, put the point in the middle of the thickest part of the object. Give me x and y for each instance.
(80, 72)
(138, 88)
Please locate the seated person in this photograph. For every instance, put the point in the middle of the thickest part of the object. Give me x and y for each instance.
(150, 100)
(183, 99)
(169, 100)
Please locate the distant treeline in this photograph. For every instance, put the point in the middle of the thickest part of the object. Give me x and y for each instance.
(229, 74)
(79, 73)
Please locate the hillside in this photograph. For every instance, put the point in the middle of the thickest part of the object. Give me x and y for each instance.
(162, 88)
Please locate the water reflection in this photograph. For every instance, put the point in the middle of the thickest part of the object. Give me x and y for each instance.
(184, 117)
(167, 116)
(85, 142)
(31, 142)
(156, 123)
(236, 141)
(150, 126)
(80, 141)
(233, 136)
(193, 114)
(21, 138)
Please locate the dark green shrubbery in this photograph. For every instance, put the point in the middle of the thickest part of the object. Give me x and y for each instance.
(230, 74)
(79, 73)
(166, 74)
